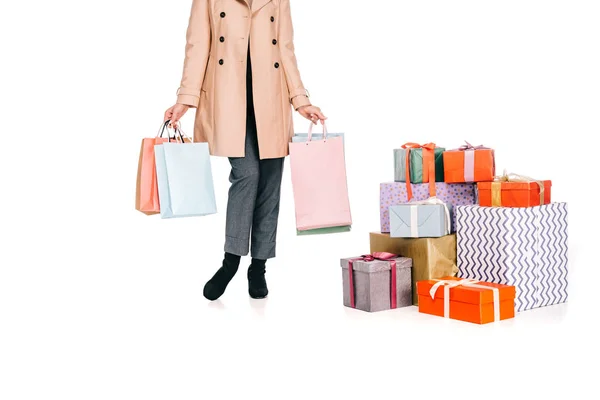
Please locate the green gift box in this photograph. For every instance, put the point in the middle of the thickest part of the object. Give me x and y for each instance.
(416, 165)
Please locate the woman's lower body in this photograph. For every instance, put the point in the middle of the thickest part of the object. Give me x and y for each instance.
(252, 211)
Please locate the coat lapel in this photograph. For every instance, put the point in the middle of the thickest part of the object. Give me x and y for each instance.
(258, 4)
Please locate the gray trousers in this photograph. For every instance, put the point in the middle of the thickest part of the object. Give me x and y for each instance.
(253, 204)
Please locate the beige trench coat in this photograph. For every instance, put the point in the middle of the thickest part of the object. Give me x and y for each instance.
(214, 74)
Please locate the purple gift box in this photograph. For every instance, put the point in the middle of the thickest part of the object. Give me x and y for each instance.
(394, 193)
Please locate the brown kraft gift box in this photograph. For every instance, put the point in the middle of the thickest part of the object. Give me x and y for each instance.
(433, 258)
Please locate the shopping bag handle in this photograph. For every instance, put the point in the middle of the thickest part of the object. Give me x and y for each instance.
(310, 129)
(164, 127)
(183, 135)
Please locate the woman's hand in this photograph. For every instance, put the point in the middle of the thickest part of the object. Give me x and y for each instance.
(312, 113)
(175, 113)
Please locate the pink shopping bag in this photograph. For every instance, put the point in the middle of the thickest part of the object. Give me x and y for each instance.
(319, 183)
(146, 194)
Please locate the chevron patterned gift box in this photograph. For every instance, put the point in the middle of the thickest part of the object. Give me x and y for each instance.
(523, 247)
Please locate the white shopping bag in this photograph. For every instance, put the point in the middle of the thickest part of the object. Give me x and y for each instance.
(185, 183)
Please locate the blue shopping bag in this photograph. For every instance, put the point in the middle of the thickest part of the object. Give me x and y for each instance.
(185, 183)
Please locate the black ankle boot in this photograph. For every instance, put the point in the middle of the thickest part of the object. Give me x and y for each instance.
(218, 283)
(257, 284)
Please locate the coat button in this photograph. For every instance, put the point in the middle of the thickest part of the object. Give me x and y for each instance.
(221, 61)
(272, 19)
(223, 15)
(276, 65)
(221, 39)
(274, 41)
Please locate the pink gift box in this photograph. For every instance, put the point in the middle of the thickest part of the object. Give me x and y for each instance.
(394, 193)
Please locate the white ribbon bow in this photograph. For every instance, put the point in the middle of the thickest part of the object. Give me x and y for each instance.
(414, 227)
(448, 284)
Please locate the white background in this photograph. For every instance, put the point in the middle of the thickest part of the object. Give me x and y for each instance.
(98, 301)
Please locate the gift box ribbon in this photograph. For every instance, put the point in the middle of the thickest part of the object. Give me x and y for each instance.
(469, 146)
(414, 214)
(469, 166)
(428, 152)
(506, 177)
(448, 284)
(382, 256)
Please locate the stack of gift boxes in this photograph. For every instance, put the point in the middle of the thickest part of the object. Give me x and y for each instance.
(460, 242)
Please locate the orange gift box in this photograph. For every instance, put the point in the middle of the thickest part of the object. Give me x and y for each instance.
(469, 164)
(514, 194)
(468, 300)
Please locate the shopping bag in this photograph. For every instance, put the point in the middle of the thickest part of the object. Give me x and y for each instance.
(319, 183)
(303, 137)
(146, 193)
(324, 231)
(185, 183)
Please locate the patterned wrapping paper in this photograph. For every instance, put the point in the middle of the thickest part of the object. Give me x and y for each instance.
(523, 247)
(394, 193)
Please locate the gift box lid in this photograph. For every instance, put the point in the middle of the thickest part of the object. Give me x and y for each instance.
(467, 294)
(515, 185)
(376, 265)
